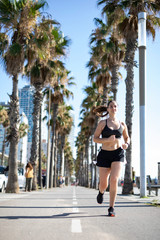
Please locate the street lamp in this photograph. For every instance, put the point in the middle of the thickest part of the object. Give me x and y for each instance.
(48, 144)
(142, 81)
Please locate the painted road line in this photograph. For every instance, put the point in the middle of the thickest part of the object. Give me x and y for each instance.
(75, 210)
(76, 226)
(74, 203)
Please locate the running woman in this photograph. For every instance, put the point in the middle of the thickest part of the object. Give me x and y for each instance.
(109, 133)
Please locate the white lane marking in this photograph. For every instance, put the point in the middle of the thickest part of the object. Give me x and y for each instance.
(74, 199)
(76, 226)
(74, 203)
(75, 210)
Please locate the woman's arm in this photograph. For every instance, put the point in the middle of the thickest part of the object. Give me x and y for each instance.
(125, 137)
(98, 132)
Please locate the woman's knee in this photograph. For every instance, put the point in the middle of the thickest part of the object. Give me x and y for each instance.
(113, 180)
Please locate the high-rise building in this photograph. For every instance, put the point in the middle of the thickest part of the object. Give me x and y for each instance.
(26, 104)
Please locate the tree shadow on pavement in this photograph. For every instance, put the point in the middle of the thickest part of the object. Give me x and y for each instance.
(57, 216)
(128, 204)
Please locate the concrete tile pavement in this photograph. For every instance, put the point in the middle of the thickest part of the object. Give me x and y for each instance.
(150, 199)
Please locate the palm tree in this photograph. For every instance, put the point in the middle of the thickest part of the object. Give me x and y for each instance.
(89, 104)
(69, 161)
(23, 129)
(108, 50)
(60, 91)
(15, 29)
(80, 164)
(53, 100)
(98, 69)
(64, 124)
(103, 80)
(114, 55)
(87, 126)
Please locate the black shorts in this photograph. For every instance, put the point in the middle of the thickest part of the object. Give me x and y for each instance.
(105, 158)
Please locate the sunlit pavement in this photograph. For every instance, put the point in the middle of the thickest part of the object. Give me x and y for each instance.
(72, 213)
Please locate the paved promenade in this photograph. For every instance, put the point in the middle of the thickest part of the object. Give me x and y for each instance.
(72, 213)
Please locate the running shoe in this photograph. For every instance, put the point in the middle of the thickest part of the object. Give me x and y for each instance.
(100, 197)
(111, 212)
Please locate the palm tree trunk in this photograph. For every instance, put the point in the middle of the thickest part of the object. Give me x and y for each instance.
(51, 161)
(55, 162)
(12, 185)
(95, 156)
(105, 96)
(79, 175)
(82, 175)
(92, 165)
(87, 162)
(38, 98)
(55, 109)
(62, 155)
(40, 148)
(129, 59)
(96, 172)
(48, 145)
(114, 81)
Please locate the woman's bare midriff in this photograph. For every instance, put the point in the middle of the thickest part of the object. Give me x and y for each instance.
(112, 146)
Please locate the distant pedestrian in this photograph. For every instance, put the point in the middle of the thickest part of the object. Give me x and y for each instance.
(133, 177)
(111, 156)
(29, 176)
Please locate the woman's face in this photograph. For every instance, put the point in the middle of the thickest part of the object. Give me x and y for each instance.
(112, 108)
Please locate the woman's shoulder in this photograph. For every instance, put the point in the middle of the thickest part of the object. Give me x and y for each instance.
(102, 122)
(123, 124)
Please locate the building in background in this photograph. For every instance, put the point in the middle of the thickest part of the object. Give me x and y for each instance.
(26, 95)
(26, 104)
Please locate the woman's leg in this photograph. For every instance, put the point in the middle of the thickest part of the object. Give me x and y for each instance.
(103, 178)
(114, 176)
(29, 184)
(26, 188)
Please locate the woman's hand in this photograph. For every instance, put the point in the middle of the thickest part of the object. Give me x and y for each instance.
(125, 146)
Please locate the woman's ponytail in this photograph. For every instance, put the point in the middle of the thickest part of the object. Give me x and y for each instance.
(102, 109)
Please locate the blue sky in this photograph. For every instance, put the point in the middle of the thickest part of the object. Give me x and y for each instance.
(76, 19)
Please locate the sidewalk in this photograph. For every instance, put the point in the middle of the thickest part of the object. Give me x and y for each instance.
(150, 199)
